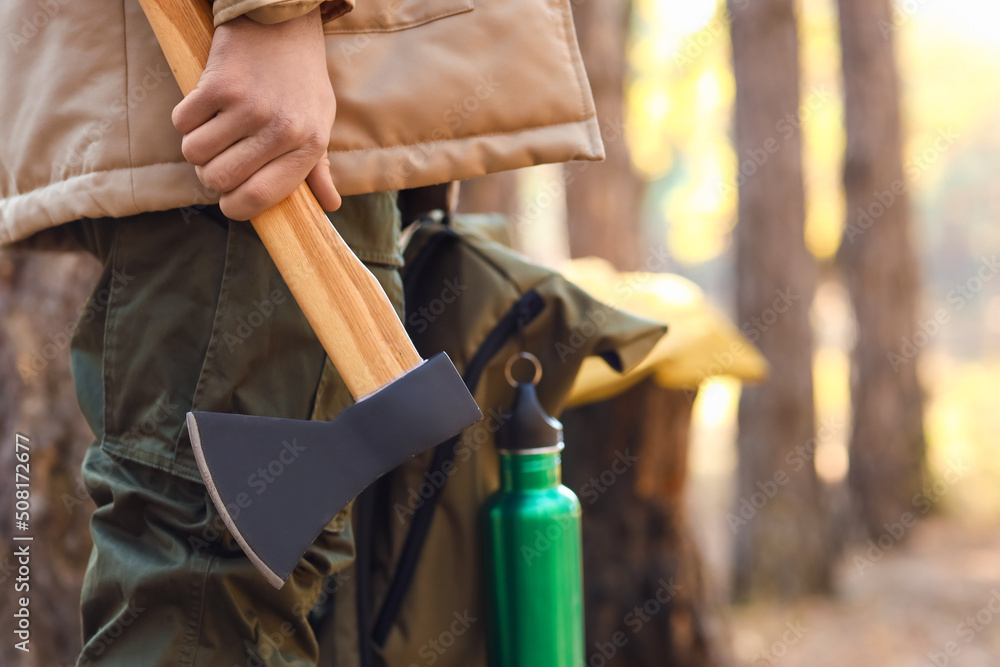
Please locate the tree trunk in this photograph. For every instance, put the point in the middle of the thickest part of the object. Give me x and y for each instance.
(626, 458)
(880, 269)
(40, 298)
(779, 524)
(604, 199)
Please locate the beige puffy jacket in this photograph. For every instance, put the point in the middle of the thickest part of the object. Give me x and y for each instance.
(427, 91)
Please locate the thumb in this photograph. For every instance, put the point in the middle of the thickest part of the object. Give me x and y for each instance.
(321, 183)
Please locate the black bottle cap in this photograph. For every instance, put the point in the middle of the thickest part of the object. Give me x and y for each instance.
(528, 427)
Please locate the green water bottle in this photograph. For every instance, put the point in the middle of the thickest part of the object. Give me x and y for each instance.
(532, 543)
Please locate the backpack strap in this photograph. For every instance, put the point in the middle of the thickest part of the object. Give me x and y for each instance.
(409, 557)
(524, 310)
(425, 241)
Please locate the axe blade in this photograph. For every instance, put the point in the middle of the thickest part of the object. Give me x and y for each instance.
(278, 482)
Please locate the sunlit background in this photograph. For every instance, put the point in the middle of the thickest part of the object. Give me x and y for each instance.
(679, 130)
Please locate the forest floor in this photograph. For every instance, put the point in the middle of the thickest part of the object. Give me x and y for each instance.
(932, 600)
(929, 600)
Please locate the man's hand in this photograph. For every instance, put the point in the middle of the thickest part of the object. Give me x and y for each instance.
(259, 122)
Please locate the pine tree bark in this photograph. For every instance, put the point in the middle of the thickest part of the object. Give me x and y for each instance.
(40, 299)
(880, 269)
(626, 458)
(779, 524)
(604, 199)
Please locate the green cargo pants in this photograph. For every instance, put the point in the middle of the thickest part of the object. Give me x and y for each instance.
(190, 313)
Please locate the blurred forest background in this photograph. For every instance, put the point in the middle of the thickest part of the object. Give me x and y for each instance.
(847, 150)
(824, 171)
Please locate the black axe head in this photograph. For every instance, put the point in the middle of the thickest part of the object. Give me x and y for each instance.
(278, 482)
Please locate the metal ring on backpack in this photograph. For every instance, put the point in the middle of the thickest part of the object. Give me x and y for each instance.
(523, 355)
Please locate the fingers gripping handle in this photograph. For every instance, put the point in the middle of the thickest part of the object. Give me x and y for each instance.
(348, 311)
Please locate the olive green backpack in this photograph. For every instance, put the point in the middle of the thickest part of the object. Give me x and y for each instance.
(414, 595)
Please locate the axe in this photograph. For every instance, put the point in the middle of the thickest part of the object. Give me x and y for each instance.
(278, 482)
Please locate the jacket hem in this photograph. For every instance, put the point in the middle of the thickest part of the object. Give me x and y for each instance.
(155, 187)
(169, 185)
(416, 165)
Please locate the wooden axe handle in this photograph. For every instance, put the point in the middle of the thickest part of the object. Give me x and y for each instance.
(345, 305)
